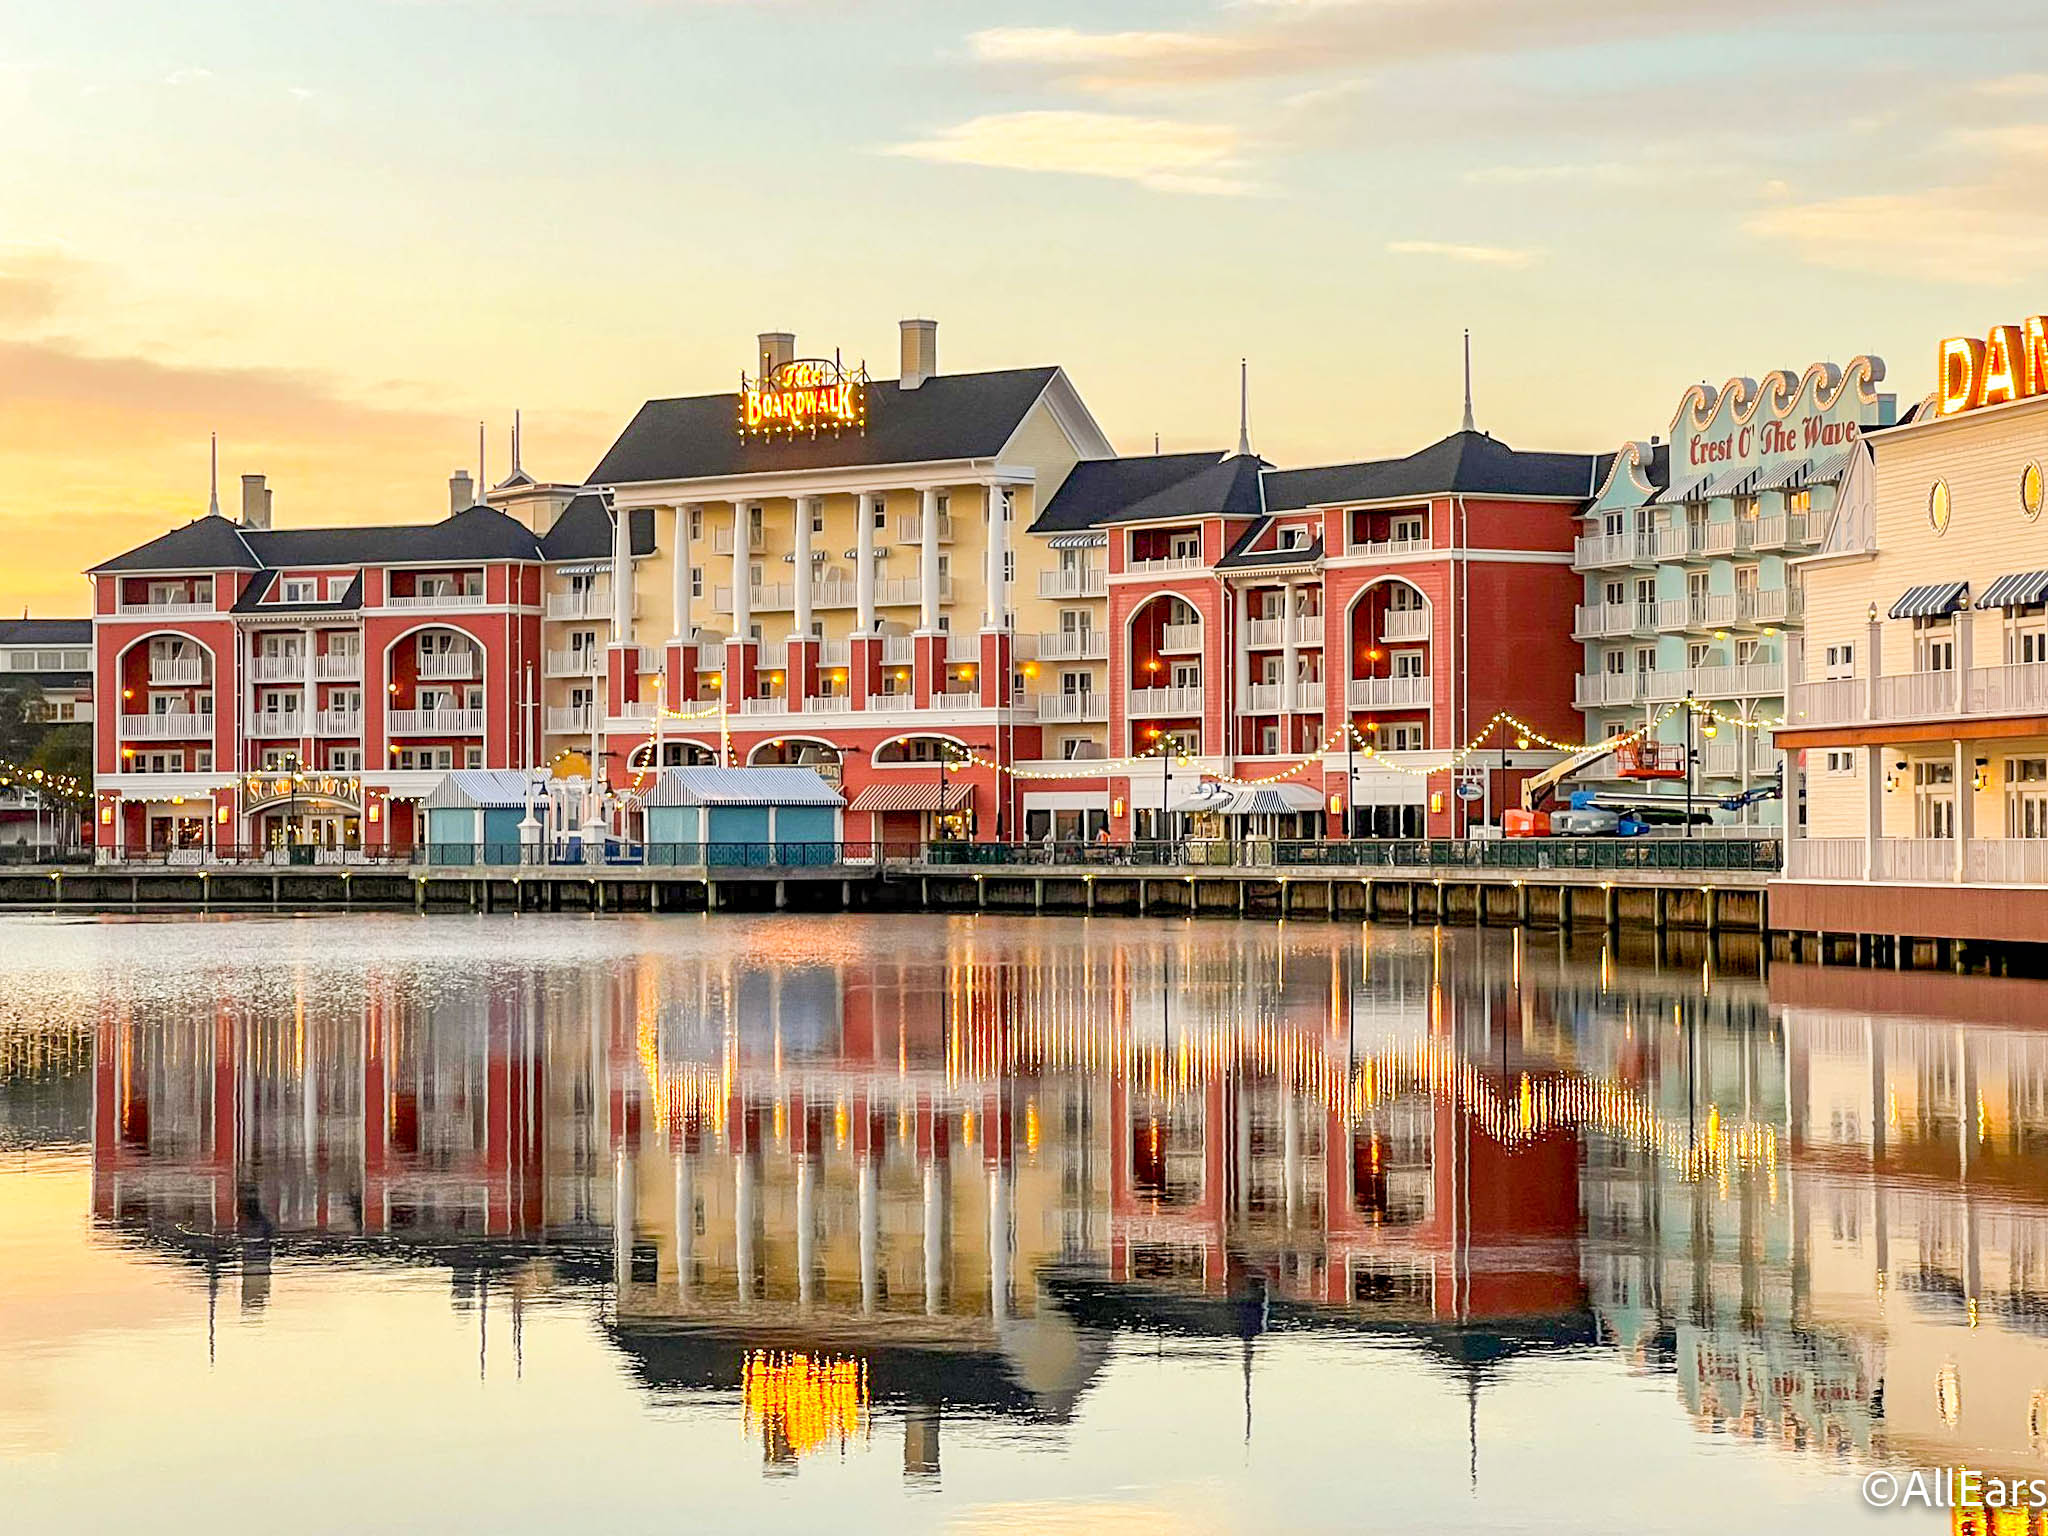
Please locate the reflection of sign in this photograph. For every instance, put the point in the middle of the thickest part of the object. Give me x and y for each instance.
(2010, 363)
(808, 394)
(803, 1403)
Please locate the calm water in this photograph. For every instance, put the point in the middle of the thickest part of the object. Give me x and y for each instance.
(530, 1224)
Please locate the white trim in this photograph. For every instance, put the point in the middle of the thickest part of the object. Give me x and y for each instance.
(847, 480)
(1071, 415)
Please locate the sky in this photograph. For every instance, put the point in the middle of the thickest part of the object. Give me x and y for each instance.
(342, 234)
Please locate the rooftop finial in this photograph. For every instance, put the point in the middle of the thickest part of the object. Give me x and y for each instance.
(213, 475)
(1244, 408)
(481, 479)
(1470, 424)
(515, 442)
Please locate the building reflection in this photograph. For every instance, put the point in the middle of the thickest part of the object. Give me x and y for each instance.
(906, 1188)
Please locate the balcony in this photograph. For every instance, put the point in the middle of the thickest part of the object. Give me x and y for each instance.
(1606, 690)
(772, 655)
(1388, 693)
(436, 722)
(183, 608)
(957, 698)
(276, 724)
(1310, 696)
(1599, 621)
(338, 722)
(1703, 541)
(177, 671)
(1919, 860)
(1074, 581)
(338, 666)
(171, 725)
(1787, 530)
(1755, 680)
(575, 719)
(892, 703)
(1769, 605)
(2020, 688)
(448, 666)
(835, 653)
(1387, 549)
(1595, 551)
(898, 650)
(1073, 645)
(436, 599)
(905, 591)
(1724, 756)
(1181, 638)
(1168, 701)
(1086, 706)
(588, 662)
(1405, 624)
(774, 704)
(591, 603)
(1168, 565)
(910, 528)
(634, 710)
(829, 704)
(757, 539)
(288, 668)
(1265, 634)
(1259, 699)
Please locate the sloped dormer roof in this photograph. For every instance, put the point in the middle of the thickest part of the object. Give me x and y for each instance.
(1465, 463)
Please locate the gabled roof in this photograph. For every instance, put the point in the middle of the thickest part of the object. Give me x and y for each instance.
(1468, 463)
(468, 788)
(583, 531)
(1097, 488)
(1229, 487)
(711, 785)
(1241, 555)
(950, 416)
(253, 595)
(53, 632)
(204, 544)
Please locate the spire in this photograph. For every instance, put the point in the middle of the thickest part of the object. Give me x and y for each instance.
(1470, 425)
(481, 479)
(1244, 409)
(213, 475)
(515, 442)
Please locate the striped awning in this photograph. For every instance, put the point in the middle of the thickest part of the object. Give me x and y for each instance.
(1788, 476)
(1935, 601)
(586, 568)
(919, 796)
(1737, 482)
(1694, 491)
(2022, 589)
(1830, 468)
(1078, 541)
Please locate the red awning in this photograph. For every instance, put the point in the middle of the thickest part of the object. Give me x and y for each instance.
(911, 796)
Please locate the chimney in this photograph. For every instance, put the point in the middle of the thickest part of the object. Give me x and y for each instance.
(461, 492)
(920, 353)
(255, 502)
(777, 348)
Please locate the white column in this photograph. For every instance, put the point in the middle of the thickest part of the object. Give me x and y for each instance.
(999, 1244)
(1290, 661)
(1290, 1151)
(806, 1227)
(1966, 803)
(686, 1223)
(870, 1233)
(680, 577)
(1873, 808)
(1243, 659)
(928, 560)
(934, 1238)
(622, 578)
(622, 1218)
(864, 564)
(742, 612)
(805, 505)
(743, 1224)
(996, 605)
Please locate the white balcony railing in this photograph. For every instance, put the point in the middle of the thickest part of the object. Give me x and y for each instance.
(2017, 688)
(1405, 624)
(957, 698)
(2008, 860)
(448, 666)
(288, 668)
(338, 666)
(1916, 860)
(172, 725)
(1769, 605)
(829, 704)
(1824, 858)
(1381, 549)
(588, 662)
(1075, 581)
(634, 709)
(1073, 645)
(591, 603)
(1167, 565)
(1594, 621)
(571, 719)
(1260, 699)
(436, 722)
(906, 591)
(1388, 693)
(1166, 701)
(774, 704)
(273, 724)
(1594, 550)
(177, 671)
(1605, 690)
(1059, 708)
(171, 610)
(892, 703)
(898, 650)
(1180, 637)
(434, 599)
(1310, 696)
(1265, 634)
(338, 722)
(835, 653)
(1755, 680)
(1785, 530)
(757, 539)
(772, 655)
(910, 528)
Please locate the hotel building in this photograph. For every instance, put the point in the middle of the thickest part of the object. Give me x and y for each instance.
(56, 656)
(1689, 558)
(943, 591)
(1920, 719)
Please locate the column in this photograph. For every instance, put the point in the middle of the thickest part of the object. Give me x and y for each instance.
(1241, 667)
(802, 623)
(999, 1243)
(622, 1218)
(1873, 662)
(870, 1233)
(743, 1223)
(806, 1227)
(686, 1223)
(871, 505)
(934, 1237)
(679, 581)
(928, 561)
(742, 610)
(1290, 663)
(1966, 797)
(1873, 808)
(996, 605)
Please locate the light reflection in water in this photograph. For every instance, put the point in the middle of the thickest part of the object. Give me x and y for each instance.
(927, 1176)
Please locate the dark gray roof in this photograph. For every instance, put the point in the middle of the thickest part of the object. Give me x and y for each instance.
(251, 600)
(54, 632)
(204, 544)
(1471, 463)
(1241, 555)
(952, 416)
(1229, 487)
(1097, 488)
(584, 530)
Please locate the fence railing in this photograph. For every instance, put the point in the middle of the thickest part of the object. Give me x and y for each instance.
(615, 853)
(1763, 855)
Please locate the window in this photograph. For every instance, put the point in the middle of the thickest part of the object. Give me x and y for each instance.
(945, 570)
(1938, 508)
(1841, 764)
(817, 516)
(1075, 747)
(1009, 565)
(1269, 740)
(202, 760)
(696, 522)
(1696, 593)
(337, 587)
(1293, 538)
(1614, 594)
(1402, 738)
(1698, 654)
(1747, 580)
(754, 575)
(1934, 645)
(1748, 652)
(1187, 674)
(1745, 509)
(298, 590)
(2031, 491)
(1076, 684)
(1408, 530)
(1799, 501)
(2026, 634)
(1615, 524)
(1186, 546)
(1934, 801)
(1415, 664)
(696, 581)
(345, 759)
(279, 760)
(472, 757)
(881, 514)
(1840, 661)
(2026, 797)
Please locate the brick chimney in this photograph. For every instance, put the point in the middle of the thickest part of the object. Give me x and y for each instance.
(461, 492)
(255, 502)
(776, 348)
(920, 353)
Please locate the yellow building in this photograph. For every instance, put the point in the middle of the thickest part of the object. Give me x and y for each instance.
(1918, 724)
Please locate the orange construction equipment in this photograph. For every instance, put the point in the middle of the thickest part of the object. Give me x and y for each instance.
(1641, 759)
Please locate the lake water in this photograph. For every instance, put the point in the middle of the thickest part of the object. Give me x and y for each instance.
(916, 1223)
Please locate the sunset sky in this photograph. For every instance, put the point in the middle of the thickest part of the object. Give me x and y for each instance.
(342, 233)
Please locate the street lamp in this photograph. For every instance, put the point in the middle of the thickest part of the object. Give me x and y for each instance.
(1688, 763)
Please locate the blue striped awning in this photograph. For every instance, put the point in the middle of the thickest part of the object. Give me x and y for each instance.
(2022, 589)
(1935, 601)
(1696, 491)
(1737, 482)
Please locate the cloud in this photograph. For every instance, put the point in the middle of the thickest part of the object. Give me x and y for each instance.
(2014, 85)
(1162, 154)
(1606, 172)
(1475, 255)
(35, 282)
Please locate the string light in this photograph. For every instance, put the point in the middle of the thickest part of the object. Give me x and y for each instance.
(61, 785)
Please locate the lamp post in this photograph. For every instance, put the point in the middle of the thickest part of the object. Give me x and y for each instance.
(1688, 763)
(1350, 775)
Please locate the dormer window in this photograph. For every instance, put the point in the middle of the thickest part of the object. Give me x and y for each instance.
(299, 589)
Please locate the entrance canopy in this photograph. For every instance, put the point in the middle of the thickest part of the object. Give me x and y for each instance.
(1251, 800)
(911, 797)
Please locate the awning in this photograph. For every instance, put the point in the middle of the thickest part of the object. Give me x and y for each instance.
(587, 568)
(1078, 541)
(1936, 601)
(2022, 589)
(1788, 476)
(1696, 491)
(1737, 482)
(1252, 800)
(1830, 468)
(921, 796)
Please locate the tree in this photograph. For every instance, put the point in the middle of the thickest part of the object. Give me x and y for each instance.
(23, 721)
(65, 749)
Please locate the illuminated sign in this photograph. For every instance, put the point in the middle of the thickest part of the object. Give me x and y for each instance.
(266, 786)
(2010, 363)
(806, 395)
